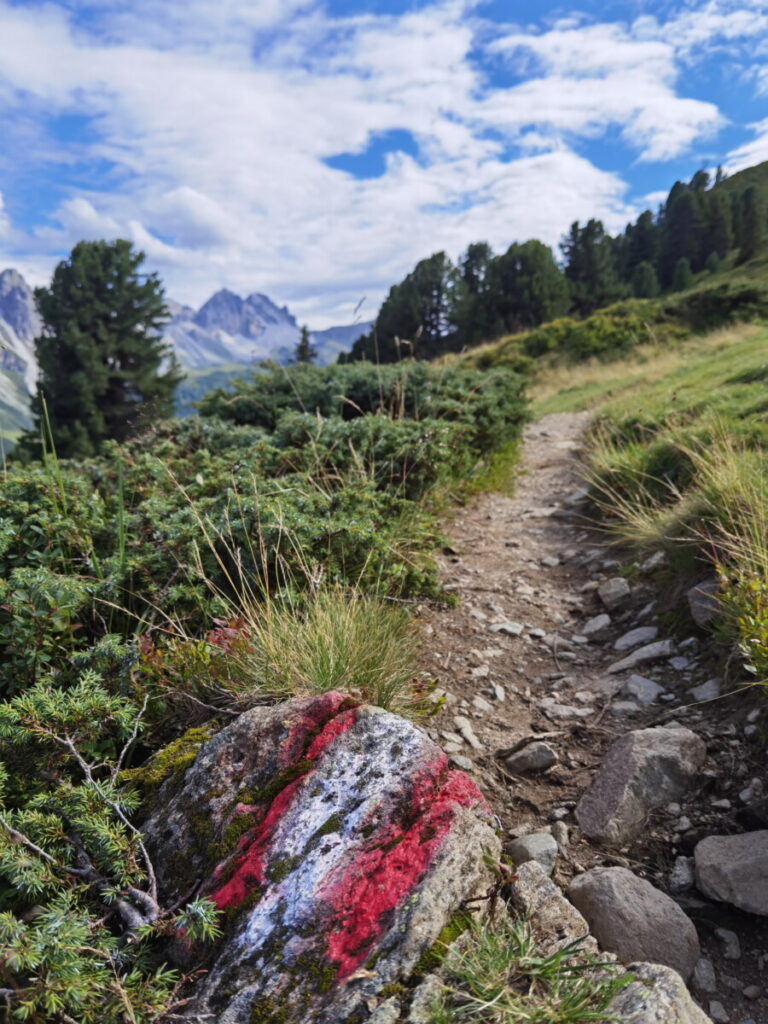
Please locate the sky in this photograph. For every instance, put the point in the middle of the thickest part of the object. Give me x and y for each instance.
(315, 151)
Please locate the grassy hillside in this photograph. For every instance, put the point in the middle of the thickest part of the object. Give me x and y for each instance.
(678, 461)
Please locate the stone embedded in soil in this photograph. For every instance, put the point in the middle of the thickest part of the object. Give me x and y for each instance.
(536, 757)
(555, 921)
(729, 942)
(710, 690)
(703, 603)
(681, 877)
(650, 652)
(507, 628)
(467, 733)
(642, 771)
(643, 690)
(597, 625)
(734, 869)
(631, 918)
(704, 980)
(553, 709)
(636, 637)
(538, 846)
(718, 1012)
(614, 593)
(657, 996)
(329, 834)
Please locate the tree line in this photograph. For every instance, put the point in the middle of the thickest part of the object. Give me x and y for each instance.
(441, 306)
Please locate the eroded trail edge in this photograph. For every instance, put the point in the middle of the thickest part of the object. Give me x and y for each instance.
(560, 647)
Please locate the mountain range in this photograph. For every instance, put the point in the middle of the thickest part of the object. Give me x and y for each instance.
(220, 340)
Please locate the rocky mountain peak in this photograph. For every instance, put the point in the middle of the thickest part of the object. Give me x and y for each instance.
(17, 305)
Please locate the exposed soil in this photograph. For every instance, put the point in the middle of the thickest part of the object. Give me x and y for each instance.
(537, 560)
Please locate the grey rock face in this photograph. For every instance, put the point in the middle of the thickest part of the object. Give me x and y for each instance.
(636, 637)
(650, 652)
(539, 846)
(642, 771)
(614, 592)
(657, 996)
(631, 918)
(556, 921)
(536, 757)
(702, 602)
(329, 833)
(734, 869)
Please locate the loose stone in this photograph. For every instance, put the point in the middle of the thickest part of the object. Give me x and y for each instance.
(650, 652)
(539, 846)
(730, 943)
(707, 691)
(536, 757)
(636, 637)
(614, 592)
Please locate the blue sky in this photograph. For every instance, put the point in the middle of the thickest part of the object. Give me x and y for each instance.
(316, 150)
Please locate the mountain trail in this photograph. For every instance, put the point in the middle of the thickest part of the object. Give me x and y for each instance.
(524, 657)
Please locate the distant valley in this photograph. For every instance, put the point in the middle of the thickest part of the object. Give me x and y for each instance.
(220, 340)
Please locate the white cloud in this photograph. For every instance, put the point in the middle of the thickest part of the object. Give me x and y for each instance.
(5, 224)
(752, 152)
(218, 156)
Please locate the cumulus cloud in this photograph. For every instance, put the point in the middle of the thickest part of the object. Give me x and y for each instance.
(213, 125)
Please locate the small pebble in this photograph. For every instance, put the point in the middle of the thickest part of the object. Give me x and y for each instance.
(752, 992)
(730, 943)
(717, 1012)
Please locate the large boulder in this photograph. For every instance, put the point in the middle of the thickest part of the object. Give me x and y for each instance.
(642, 771)
(734, 869)
(657, 996)
(337, 843)
(634, 920)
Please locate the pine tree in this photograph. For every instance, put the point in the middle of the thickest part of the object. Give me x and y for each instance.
(645, 284)
(720, 233)
(305, 350)
(713, 263)
(100, 354)
(753, 223)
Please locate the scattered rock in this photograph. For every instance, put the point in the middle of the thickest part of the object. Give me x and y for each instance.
(729, 942)
(752, 992)
(734, 869)
(680, 664)
(555, 921)
(481, 705)
(682, 877)
(631, 918)
(467, 733)
(707, 691)
(536, 757)
(466, 764)
(651, 652)
(703, 603)
(552, 709)
(644, 690)
(507, 628)
(635, 637)
(657, 996)
(537, 634)
(642, 771)
(654, 561)
(596, 626)
(539, 846)
(751, 792)
(704, 981)
(614, 592)
(550, 561)
(352, 838)
(620, 708)
(560, 835)
(718, 1013)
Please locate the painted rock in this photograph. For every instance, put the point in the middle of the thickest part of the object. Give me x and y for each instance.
(337, 842)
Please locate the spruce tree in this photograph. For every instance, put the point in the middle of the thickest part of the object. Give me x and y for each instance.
(100, 354)
(590, 267)
(526, 287)
(305, 350)
(645, 284)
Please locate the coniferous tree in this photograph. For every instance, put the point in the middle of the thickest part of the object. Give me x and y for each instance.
(720, 231)
(642, 243)
(590, 267)
(713, 263)
(526, 286)
(645, 283)
(753, 223)
(682, 277)
(305, 350)
(100, 353)
(683, 232)
(474, 313)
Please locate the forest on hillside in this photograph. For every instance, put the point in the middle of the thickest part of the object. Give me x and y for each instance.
(444, 307)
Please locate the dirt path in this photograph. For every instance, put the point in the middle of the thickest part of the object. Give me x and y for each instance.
(514, 661)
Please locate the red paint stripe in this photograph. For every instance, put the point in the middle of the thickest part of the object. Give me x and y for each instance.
(379, 880)
(249, 871)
